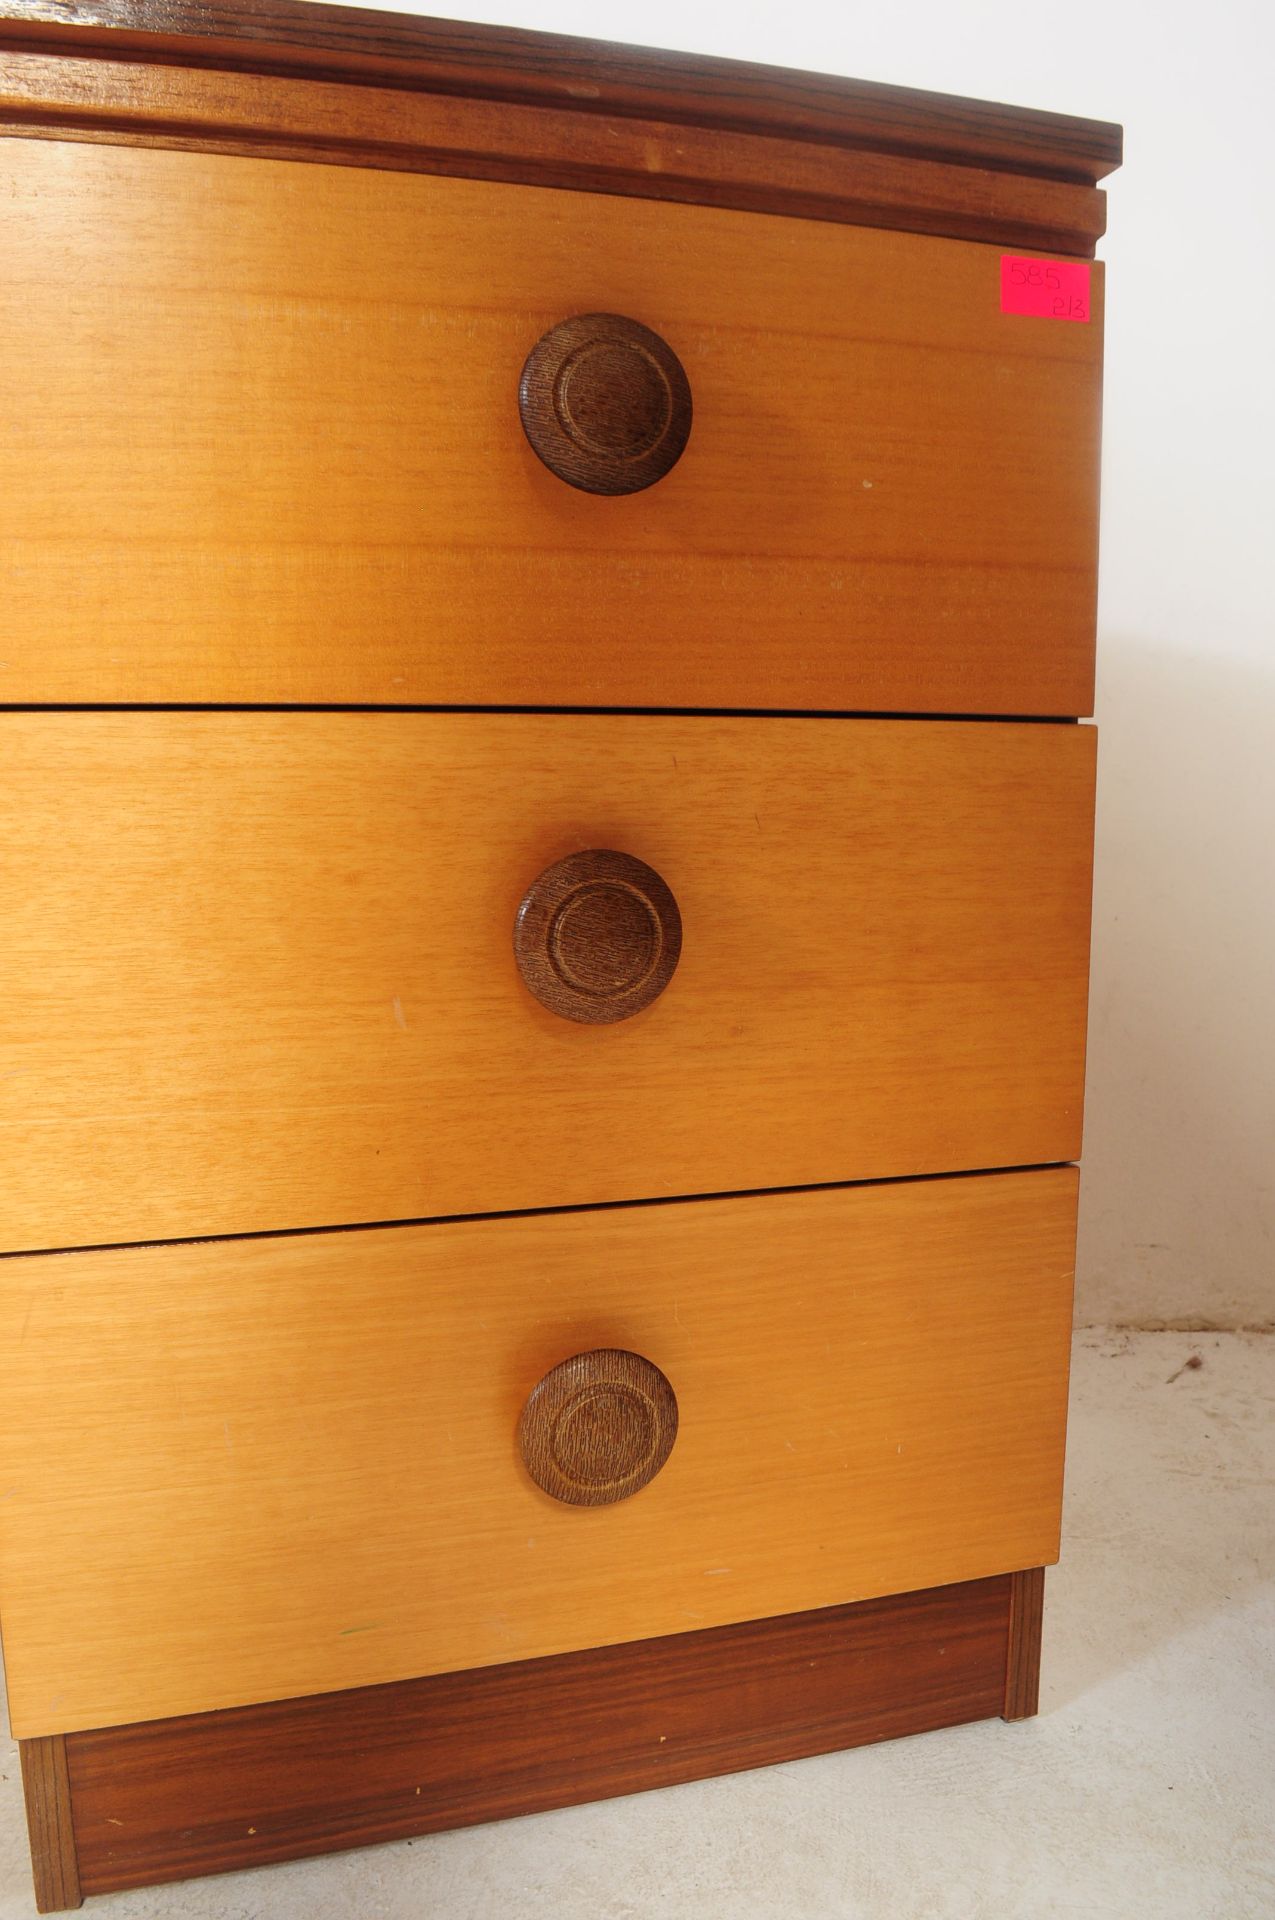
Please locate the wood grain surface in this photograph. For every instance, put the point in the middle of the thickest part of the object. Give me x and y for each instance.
(260, 972)
(50, 1824)
(591, 77)
(371, 90)
(262, 444)
(1022, 1670)
(174, 1798)
(289, 1465)
(140, 105)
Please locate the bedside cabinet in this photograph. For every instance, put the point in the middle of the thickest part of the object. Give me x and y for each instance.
(545, 861)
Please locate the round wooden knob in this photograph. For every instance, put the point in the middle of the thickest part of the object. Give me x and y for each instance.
(605, 403)
(598, 1427)
(598, 936)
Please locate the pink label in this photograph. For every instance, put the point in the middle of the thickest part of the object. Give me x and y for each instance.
(1046, 289)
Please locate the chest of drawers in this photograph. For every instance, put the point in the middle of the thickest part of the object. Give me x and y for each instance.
(547, 591)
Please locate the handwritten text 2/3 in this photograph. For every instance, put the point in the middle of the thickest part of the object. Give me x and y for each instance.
(1045, 289)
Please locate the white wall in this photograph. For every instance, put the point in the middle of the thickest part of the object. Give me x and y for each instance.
(1179, 1213)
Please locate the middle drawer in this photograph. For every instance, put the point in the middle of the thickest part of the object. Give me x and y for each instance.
(260, 968)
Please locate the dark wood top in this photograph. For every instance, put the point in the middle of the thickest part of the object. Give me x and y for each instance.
(835, 149)
(592, 76)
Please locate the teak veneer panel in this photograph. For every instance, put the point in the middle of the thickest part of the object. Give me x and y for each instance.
(289, 1465)
(262, 445)
(214, 1791)
(260, 971)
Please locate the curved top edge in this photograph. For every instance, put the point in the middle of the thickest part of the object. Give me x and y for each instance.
(355, 45)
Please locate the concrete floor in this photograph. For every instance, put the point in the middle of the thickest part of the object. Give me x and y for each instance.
(1146, 1787)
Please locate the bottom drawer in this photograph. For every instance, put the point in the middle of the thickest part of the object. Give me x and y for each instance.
(240, 1471)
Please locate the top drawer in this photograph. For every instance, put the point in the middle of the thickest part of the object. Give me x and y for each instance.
(263, 444)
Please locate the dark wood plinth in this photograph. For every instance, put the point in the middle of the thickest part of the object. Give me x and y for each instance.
(171, 1799)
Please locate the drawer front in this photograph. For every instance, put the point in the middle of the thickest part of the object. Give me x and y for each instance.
(259, 969)
(262, 443)
(245, 1471)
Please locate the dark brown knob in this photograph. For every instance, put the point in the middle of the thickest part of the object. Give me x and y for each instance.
(605, 403)
(598, 936)
(598, 1427)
